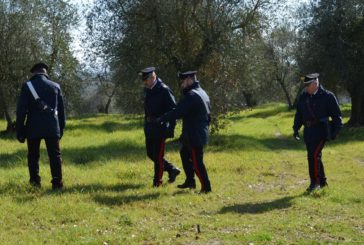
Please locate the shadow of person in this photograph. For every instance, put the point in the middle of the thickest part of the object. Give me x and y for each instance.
(94, 188)
(123, 199)
(259, 207)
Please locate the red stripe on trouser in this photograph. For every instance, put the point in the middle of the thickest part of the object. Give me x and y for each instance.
(194, 160)
(160, 159)
(316, 163)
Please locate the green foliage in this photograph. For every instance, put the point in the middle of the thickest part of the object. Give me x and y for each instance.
(177, 36)
(332, 44)
(258, 174)
(33, 31)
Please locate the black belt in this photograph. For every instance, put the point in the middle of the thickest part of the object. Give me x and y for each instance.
(152, 119)
(310, 124)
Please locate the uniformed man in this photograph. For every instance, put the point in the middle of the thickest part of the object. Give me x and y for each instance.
(315, 106)
(194, 109)
(158, 99)
(40, 115)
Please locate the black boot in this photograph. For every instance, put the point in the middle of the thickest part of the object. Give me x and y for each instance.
(35, 182)
(313, 187)
(205, 190)
(157, 183)
(57, 184)
(173, 174)
(324, 184)
(187, 184)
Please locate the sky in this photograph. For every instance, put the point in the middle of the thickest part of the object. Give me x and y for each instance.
(78, 31)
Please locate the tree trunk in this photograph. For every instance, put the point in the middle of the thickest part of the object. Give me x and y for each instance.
(298, 94)
(249, 98)
(107, 106)
(357, 108)
(10, 125)
(288, 98)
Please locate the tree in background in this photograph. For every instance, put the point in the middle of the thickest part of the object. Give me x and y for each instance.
(332, 41)
(31, 31)
(18, 47)
(175, 36)
(281, 51)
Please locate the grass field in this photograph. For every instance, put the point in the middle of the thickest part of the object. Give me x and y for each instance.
(257, 171)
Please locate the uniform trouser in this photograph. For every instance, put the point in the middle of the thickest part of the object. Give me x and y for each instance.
(315, 166)
(192, 160)
(155, 151)
(54, 154)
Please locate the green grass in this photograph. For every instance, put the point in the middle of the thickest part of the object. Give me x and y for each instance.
(258, 175)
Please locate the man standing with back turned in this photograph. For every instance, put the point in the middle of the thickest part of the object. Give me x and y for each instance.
(314, 108)
(40, 115)
(158, 99)
(194, 109)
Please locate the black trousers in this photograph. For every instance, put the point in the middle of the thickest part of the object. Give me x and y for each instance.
(315, 165)
(155, 151)
(54, 154)
(192, 160)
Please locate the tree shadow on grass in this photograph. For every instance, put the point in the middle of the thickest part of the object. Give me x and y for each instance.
(109, 126)
(236, 142)
(264, 113)
(121, 200)
(8, 135)
(13, 159)
(94, 188)
(259, 207)
(125, 150)
(25, 193)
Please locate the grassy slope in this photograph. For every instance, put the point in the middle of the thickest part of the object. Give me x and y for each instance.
(258, 176)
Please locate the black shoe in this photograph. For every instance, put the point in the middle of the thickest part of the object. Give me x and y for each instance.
(35, 181)
(57, 184)
(173, 174)
(35, 184)
(312, 188)
(157, 183)
(185, 185)
(205, 190)
(324, 184)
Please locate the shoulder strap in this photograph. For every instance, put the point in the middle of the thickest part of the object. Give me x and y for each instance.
(205, 98)
(32, 90)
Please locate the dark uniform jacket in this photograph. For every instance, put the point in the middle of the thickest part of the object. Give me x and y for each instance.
(158, 101)
(195, 116)
(33, 122)
(313, 111)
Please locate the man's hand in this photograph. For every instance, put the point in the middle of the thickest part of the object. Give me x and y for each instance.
(20, 138)
(296, 135)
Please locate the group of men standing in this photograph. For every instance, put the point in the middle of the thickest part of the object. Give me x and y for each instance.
(161, 113)
(41, 115)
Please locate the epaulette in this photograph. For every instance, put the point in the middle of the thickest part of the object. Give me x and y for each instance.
(55, 84)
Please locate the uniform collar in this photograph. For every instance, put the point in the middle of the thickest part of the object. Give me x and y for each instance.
(316, 91)
(155, 84)
(39, 75)
(196, 84)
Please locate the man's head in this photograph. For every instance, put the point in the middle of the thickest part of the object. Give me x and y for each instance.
(148, 76)
(187, 78)
(311, 83)
(39, 68)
